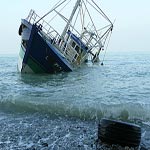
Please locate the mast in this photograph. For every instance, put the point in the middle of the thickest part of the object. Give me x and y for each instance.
(70, 19)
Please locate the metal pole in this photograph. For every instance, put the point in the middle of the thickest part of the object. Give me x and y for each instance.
(70, 19)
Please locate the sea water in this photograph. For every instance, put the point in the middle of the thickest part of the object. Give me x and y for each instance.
(62, 111)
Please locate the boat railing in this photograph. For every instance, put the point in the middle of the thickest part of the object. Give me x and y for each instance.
(53, 36)
(48, 30)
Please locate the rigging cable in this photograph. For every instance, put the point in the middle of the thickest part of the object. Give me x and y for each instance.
(102, 12)
(75, 20)
(56, 6)
(91, 19)
(59, 12)
(65, 19)
(106, 48)
(102, 37)
(104, 28)
(99, 11)
(111, 28)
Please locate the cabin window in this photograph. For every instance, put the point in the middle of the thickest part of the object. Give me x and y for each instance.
(77, 49)
(73, 44)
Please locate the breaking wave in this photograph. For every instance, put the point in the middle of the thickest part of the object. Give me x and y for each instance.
(82, 111)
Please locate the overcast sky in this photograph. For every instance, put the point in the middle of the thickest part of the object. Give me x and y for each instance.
(131, 30)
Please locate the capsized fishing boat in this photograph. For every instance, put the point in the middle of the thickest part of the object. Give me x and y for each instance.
(63, 41)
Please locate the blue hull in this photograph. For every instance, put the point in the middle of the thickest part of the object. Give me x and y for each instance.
(41, 55)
